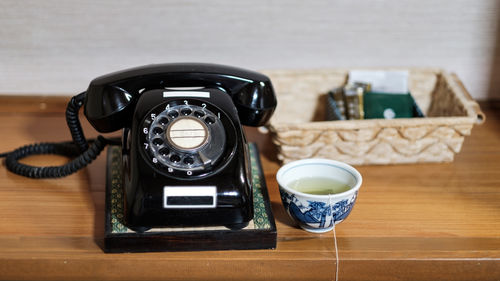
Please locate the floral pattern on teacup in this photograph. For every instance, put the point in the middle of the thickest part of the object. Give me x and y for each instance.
(316, 213)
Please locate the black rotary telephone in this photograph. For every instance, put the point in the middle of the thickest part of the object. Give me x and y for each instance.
(185, 156)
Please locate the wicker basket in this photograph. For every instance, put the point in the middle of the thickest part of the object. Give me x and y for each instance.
(299, 132)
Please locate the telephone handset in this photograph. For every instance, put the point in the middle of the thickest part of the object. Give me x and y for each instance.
(111, 98)
(185, 157)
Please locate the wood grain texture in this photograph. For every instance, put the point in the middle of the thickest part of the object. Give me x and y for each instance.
(56, 46)
(418, 222)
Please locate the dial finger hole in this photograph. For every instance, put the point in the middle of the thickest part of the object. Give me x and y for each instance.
(157, 130)
(173, 114)
(199, 113)
(175, 158)
(163, 121)
(164, 151)
(186, 111)
(157, 141)
(188, 160)
(209, 120)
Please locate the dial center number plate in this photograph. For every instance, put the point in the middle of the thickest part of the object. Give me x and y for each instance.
(187, 133)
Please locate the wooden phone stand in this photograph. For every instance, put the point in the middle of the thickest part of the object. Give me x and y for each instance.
(259, 234)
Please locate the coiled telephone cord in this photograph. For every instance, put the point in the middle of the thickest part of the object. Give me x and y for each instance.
(79, 149)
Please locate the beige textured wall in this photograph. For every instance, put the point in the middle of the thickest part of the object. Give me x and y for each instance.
(57, 47)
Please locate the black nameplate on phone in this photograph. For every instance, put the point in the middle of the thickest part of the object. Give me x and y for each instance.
(190, 200)
(260, 233)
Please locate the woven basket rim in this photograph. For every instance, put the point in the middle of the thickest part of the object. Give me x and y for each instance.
(472, 108)
(370, 123)
(301, 71)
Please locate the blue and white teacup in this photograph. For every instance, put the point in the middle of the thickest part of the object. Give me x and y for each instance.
(318, 213)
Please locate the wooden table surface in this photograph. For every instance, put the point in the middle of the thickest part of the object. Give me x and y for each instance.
(411, 222)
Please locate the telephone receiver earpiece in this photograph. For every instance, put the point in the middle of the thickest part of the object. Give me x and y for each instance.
(109, 108)
(111, 98)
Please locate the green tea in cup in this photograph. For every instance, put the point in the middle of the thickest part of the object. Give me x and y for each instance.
(319, 185)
